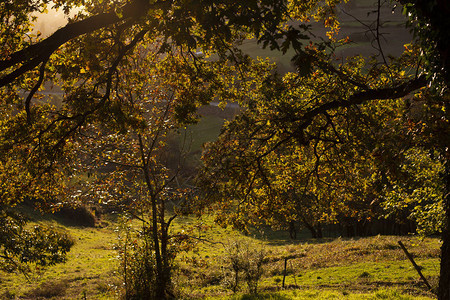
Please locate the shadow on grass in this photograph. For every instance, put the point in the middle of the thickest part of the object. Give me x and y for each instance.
(49, 289)
(281, 237)
(263, 296)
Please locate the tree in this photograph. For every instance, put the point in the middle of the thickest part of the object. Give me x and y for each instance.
(284, 117)
(126, 156)
(106, 139)
(91, 47)
(41, 150)
(360, 164)
(432, 19)
(131, 168)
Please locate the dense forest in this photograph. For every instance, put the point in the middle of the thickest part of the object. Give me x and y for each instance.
(321, 119)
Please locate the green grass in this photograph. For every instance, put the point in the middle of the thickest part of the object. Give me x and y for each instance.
(256, 50)
(89, 270)
(190, 140)
(206, 130)
(391, 294)
(388, 272)
(363, 268)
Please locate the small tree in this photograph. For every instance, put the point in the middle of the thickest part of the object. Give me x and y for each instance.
(127, 157)
(124, 150)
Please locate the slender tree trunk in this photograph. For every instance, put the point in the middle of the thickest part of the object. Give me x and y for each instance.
(165, 259)
(160, 278)
(444, 279)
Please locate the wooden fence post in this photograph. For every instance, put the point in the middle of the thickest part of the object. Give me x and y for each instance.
(415, 265)
(285, 266)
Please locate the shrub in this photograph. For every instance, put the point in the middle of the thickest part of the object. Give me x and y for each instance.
(138, 266)
(8, 295)
(77, 216)
(247, 261)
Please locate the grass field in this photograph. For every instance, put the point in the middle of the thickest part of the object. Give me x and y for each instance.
(363, 268)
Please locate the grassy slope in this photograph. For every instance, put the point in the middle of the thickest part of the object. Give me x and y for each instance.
(342, 268)
(89, 270)
(365, 268)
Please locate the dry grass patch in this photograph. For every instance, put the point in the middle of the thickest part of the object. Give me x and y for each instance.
(313, 255)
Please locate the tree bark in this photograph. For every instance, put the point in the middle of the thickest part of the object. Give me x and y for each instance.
(292, 230)
(310, 228)
(444, 278)
(160, 278)
(33, 55)
(319, 231)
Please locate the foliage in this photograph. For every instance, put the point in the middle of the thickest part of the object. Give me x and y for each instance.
(123, 153)
(138, 263)
(105, 142)
(420, 194)
(429, 20)
(344, 166)
(21, 247)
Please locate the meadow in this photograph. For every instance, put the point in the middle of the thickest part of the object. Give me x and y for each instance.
(329, 268)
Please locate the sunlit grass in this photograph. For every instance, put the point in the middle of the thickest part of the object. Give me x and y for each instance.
(391, 294)
(89, 270)
(364, 268)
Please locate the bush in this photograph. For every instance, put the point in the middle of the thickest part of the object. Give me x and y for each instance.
(138, 264)
(77, 216)
(247, 261)
(137, 267)
(8, 295)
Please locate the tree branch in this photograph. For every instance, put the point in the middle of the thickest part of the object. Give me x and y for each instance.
(35, 89)
(33, 55)
(361, 97)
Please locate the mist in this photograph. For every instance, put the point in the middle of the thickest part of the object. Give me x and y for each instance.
(50, 22)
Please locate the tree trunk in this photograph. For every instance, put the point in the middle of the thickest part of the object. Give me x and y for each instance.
(292, 230)
(160, 280)
(166, 268)
(310, 228)
(444, 279)
(160, 276)
(319, 231)
(350, 230)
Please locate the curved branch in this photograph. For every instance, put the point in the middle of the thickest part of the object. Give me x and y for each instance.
(33, 55)
(82, 118)
(361, 97)
(35, 89)
(355, 99)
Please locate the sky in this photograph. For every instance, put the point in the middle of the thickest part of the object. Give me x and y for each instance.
(50, 22)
